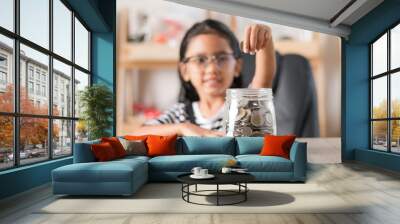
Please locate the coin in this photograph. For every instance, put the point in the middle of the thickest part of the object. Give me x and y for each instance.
(257, 118)
(243, 114)
(246, 131)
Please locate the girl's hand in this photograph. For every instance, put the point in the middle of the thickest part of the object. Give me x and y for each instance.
(256, 37)
(189, 129)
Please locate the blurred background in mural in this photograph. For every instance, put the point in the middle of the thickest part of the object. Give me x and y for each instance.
(148, 38)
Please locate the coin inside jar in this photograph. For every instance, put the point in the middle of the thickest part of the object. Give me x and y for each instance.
(242, 114)
(246, 131)
(268, 118)
(257, 118)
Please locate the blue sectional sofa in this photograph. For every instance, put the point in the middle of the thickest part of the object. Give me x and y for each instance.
(125, 176)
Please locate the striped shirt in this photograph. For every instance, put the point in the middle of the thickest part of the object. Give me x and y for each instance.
(180, 113)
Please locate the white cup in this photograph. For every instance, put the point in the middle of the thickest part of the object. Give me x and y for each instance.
(226, 170)
(203, 172)
(196, 171)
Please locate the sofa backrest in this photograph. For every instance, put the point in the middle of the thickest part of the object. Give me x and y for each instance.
(191, 145)
(249, 145)
(83, 152)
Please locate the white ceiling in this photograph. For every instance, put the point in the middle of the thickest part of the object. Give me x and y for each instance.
(315, 15)
(321, 9)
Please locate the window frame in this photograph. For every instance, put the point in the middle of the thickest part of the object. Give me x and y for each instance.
(16, 115)
(388, 74)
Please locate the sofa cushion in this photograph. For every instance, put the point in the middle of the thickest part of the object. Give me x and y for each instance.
(249, 145)
(132, 159)
(257, 163)
(83, 152)
(190, 145)
(185, 163)
(111, 171)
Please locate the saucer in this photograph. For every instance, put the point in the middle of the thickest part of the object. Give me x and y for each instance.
(208, 176)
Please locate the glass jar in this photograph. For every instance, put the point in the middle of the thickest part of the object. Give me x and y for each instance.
(249, 112)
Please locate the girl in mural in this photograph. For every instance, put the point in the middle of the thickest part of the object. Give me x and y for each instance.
(209, 63)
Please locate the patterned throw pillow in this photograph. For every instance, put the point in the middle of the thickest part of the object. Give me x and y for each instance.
(134, 147)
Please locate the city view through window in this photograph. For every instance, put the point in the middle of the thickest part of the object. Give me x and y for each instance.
(39, 114)
(385, 91)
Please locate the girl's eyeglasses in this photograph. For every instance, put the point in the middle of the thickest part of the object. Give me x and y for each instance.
(202, 61)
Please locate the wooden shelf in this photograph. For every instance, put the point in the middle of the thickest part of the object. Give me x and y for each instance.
(148, 56)
(160, 56)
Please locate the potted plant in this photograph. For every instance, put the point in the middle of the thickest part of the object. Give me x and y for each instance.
(96, 102)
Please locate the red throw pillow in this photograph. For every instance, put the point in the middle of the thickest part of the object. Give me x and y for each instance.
(161, 145)
(116, 145)
(277, 145)
(103, 152)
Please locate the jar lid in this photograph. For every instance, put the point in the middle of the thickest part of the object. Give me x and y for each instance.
(261, 93)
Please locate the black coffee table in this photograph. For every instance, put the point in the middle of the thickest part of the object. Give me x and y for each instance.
(238, 179)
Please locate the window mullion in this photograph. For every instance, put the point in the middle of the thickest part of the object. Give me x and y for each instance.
(16, 84)
(73, 82)
(371, 89)
(50, 81)
(389, 102)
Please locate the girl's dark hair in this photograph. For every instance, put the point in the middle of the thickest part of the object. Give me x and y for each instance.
(188, 93)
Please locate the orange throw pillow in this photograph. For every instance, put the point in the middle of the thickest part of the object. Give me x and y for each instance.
(135, 138)
(277, 145)
(161, 145)
(103, 152)
(116, 145)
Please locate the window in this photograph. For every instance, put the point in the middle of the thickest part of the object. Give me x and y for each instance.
(3, 61)
(6, 142)
(62, 140)
(37, 75)
(30, 72)
(62, 75)
(81, 45)
(6, 73)
(385, 94)
(7, 14)
(44, 91)
(62, 29)
(30, 87)
(3, 72)
(38, 89)
(34, 21)
(81, 81)
(41, 83)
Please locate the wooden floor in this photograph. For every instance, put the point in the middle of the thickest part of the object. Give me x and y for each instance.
(377, 188)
